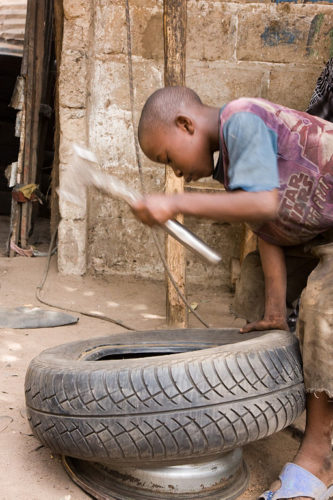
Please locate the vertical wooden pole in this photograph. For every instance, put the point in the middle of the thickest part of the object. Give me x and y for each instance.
(174, 24)
(34, 61)
(58, 38)
(249, 243)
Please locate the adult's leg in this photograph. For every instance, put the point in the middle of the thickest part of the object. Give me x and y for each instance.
(315, 452)
(315, 332)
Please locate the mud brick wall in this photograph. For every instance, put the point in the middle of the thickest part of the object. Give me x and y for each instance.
(234, 48)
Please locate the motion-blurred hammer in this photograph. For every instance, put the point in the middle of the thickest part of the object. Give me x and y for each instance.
(84, 172)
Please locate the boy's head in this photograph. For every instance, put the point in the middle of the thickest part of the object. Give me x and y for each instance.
(172, 131)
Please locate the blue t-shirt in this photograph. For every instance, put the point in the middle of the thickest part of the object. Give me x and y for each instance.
(252, 151)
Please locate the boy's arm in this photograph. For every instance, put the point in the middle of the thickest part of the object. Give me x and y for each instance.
(229, 207)
(274, 267)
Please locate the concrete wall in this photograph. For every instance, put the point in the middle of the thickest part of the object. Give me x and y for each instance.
(234, 48)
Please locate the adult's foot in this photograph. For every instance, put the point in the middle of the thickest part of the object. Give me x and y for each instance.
(314, 461)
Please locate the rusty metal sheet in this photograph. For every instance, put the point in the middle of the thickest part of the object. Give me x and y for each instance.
(12, 26)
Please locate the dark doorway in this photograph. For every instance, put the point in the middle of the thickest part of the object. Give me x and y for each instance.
(10, 67)
(29, 229)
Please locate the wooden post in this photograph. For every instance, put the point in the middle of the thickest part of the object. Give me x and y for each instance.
(249, 243)
(174, 24)
(35, 70)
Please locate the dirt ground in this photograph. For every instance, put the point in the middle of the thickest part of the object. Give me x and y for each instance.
(29, 471)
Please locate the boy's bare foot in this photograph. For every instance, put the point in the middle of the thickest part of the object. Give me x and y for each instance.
(266, 324)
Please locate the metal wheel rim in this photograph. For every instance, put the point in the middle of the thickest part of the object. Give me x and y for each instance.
(219, 478)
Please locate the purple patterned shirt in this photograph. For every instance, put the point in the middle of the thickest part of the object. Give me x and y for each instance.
(305, 167)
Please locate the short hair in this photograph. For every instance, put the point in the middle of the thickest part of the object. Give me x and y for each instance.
(162, 107)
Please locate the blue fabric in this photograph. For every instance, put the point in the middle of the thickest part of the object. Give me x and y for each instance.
(252, 150)
(298, 482)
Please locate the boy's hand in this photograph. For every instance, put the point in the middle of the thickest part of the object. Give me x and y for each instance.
(155, 209)
(266, 324)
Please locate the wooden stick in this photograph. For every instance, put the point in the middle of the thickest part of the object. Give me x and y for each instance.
(249, 243)
(174, 23)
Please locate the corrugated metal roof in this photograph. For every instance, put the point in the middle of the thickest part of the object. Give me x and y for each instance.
(12, 26)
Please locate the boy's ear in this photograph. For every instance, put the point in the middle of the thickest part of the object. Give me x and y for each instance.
(185, 124)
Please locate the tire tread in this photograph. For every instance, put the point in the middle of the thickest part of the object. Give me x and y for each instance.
(164, 410)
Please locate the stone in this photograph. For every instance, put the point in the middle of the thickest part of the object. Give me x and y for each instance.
(227, 80)
(76, 8)
(294, 88)
(73, 79)
(217, 39)
(284, 33)
(72, 244)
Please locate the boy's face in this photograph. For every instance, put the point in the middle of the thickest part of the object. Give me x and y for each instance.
(188, 154)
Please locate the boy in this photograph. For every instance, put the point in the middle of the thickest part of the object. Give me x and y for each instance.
(277, 167)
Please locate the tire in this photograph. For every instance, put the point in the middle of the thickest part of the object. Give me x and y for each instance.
(175, 394)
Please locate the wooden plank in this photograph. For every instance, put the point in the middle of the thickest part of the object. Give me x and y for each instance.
(58, 36)
(249, 243)
(28, 72)
(174, 24)
(15, 215)
(35, 69)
